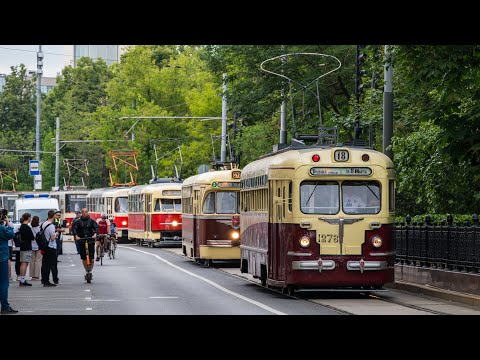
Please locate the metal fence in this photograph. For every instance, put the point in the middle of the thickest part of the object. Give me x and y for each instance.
(445, 245)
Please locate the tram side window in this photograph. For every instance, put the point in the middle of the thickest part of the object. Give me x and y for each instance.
(361, 197)
(171, 205)
(157, 205)
(319, 197)
(209, 204)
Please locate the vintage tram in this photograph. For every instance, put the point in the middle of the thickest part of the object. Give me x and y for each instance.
(112, 201)
(155, 213)
(70, 200)
(318, 217)
(210, 216)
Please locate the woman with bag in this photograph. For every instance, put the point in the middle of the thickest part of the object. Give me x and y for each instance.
(26, 238)
(36, 262)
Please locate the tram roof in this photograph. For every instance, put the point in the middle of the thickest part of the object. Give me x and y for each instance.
(109, 191)
(295, 158)
(211, 176)
(147, 188)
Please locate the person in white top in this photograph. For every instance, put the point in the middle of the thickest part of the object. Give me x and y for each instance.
(49, 262)
(351, 199)
(36, 261)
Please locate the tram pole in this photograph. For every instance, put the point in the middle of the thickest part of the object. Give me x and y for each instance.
(57, 154)
(387, 105)
(223, 152)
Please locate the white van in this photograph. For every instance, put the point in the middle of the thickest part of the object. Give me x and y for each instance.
(35, 204)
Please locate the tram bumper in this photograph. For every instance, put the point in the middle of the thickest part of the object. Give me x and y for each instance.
(321, 265)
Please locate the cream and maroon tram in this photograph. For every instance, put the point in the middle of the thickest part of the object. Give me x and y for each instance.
(155, 213)
(112, 201)
(318, 218)
(210, 216)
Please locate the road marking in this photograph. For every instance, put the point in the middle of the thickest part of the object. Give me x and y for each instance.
(88, 298)
(254, 302)
(132, 267)
(88, 308)
(104, 300)
(163, 297)
(87, 290)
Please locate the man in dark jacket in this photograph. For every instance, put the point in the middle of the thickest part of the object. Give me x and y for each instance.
(6, 233)
(86, 227)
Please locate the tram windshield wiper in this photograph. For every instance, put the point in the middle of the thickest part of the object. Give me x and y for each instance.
(371, 190)
(316, 183)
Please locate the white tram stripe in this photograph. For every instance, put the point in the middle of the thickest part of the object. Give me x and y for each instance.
(254, 302)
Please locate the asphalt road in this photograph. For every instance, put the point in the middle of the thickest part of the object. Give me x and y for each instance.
(143, 281)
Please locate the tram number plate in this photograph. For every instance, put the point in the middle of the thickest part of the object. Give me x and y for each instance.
(341, 155)
(327, 238)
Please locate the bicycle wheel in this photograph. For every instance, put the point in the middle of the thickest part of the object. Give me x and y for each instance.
(101, 254)
(113, 251)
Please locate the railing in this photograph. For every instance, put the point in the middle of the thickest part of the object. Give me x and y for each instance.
(446, 245)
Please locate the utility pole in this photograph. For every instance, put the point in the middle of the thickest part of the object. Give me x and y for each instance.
(387, 105)
(39, 98)
(223, 152)
(283, 109)
(57, 155)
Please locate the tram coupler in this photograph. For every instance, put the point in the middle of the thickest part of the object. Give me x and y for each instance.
(320, 265)
(362, 265)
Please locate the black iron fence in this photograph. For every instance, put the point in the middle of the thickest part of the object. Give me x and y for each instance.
(442, 245)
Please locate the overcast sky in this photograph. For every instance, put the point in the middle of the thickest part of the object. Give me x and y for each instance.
(12, 55)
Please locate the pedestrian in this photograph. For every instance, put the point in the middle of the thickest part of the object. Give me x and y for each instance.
(49, 261)
(36, 262)
(60, 230)
(26, 236)
(3, 222)
(6, 233)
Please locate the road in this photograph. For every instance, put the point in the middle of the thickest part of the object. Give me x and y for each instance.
(161, 281)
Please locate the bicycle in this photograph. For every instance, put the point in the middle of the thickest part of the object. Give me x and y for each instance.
(88, 275)
(112, 246)
(101, 238)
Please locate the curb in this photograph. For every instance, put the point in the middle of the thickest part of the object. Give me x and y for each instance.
(449, 295)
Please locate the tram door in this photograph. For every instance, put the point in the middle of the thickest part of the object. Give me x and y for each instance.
(148, 211)
(108, 206)
(196, 222)
(278, 240)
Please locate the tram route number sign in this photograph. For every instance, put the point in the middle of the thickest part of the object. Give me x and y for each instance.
(342, 171)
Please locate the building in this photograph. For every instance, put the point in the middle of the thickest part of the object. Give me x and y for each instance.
(109, 53)
(48, 83)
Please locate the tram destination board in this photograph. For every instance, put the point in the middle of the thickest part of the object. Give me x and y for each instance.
(342, 171)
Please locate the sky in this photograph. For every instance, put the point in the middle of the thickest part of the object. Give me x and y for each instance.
(53, 58)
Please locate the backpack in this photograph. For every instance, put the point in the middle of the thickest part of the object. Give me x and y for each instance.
(40, 238)
(17, 239)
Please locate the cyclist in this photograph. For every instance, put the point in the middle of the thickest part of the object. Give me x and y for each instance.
(103, 232)
(84, 227)
(113, 231)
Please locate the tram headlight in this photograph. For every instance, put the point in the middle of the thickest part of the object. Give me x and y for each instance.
(376, 241)
(124, 223)
(174, 223)
(304, 241)
(235, 235)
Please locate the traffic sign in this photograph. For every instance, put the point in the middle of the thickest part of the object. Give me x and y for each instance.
(34, 167)
(37, 182)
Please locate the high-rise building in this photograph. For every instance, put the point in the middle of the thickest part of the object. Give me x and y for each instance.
(109, 53)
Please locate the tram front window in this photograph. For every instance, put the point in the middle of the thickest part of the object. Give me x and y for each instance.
(121, 205)
(227, 202)
(361, 197)
(171, 205)
(319, 197)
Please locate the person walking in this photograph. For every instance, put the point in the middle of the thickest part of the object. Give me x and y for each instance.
(72, 230)
(60, 230)
(6, 233)
(49, 261)
(36, 262)
(26, 236)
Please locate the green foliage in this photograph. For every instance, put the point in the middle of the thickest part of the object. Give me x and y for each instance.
(458, 219)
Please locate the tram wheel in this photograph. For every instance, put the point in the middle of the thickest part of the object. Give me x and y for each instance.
(263, 281)
(290, 290)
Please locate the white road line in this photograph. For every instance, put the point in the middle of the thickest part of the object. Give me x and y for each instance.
(87, 290)
(88, 308)
(132, 267)
(254, 302)
(163, 297)
(88, 298)
(104, 300)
